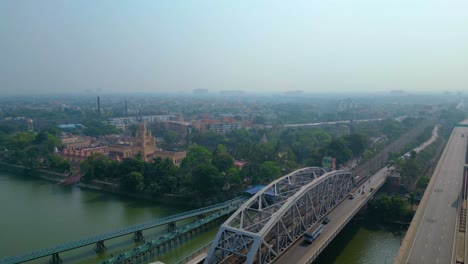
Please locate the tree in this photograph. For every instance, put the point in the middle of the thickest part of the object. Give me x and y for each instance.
(96, 166)
(132, 182)
(422, 183)
(164, 174)
(46, 141)
(269, 171)
(206, 179)
(171, 137)
(233, 176)
(357, 143)
(20, 140)
(96, 128)
(410, 169)
(339, 149)
(390, 208)
(58, 162)
(196, 155)
(135, 164)
(9, 128)
(223, 162)
(208, 140)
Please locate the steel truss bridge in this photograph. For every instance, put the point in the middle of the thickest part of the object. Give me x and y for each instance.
(137, 230)
(274, 218)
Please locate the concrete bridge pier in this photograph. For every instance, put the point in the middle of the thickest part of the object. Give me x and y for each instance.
(100, 247)
(171, 227)
(55, 259)
(138, 236)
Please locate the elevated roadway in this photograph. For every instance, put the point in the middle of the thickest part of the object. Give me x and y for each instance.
(434, 232)
(340, 216)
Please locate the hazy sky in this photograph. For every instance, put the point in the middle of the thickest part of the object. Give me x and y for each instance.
(172, 46)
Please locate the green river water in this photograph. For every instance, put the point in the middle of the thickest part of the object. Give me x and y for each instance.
(36, 214)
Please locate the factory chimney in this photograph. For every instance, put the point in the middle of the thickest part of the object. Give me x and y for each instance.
(99, 107)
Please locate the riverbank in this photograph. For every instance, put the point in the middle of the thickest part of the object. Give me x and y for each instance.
(171, 200)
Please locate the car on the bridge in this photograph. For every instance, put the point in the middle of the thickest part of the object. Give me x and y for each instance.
(371, 189)
(326, 220)
(351, 196)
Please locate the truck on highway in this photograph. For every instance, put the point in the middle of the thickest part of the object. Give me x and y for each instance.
(310, 237)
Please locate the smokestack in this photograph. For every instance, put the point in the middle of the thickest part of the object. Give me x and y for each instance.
(126, 109)
(99, 107)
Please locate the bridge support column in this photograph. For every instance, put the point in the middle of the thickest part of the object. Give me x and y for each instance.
(138, 236)
(100, 247)
(55, 259)
(171, 227)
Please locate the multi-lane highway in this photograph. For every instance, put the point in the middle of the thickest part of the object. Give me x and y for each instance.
(432, 234)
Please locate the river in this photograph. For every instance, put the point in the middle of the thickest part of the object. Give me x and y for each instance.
(361, 242)
(37, 214)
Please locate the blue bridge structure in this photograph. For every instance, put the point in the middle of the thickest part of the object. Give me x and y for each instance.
(137, 230)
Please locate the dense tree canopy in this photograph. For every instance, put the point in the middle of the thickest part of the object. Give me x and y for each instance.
(391, 208)
(96, 128)
(206, 179)
(357, 143)
(132, 182)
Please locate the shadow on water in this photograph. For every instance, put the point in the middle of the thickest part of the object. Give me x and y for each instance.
(361, 234)
(338, 245)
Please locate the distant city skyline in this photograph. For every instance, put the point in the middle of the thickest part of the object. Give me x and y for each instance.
(162, 46)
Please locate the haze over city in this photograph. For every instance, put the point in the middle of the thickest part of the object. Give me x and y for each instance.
(253, 46)
(257, 132)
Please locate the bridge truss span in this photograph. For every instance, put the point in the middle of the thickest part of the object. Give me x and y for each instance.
(274, 218)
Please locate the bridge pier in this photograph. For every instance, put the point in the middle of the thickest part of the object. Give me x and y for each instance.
(171, 227)
(138, 236)
(55, 259)
(100, 247)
